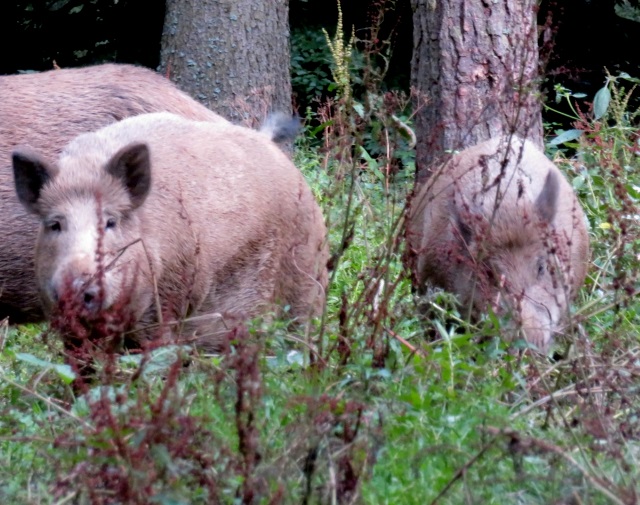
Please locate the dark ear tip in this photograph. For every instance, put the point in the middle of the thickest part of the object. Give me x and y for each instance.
(141, 146)
(138, 150)
(21, 154)
(26, 154)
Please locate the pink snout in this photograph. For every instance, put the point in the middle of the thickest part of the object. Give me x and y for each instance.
(79, 287)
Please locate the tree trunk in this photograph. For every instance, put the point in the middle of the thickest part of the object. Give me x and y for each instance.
(475, 74)
(232, 55)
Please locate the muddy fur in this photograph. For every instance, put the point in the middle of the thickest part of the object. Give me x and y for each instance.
(228, 225)
(499, 225)
(46, 111)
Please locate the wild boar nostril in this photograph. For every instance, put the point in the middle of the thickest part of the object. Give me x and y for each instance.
(90, 297)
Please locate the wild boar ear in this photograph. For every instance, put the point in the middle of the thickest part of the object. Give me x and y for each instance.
(30, 174)
(547, 201)
(132, 166)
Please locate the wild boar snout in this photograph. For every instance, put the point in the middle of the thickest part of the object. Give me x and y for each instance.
(72, 254)
(78, 280)
(538, 322)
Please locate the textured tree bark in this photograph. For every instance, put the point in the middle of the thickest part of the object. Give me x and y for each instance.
(475, 62)
(231, 55)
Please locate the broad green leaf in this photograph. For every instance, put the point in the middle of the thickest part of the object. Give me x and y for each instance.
(58, 5)
(578, 182)
(601, 102)
(624, 75)
(130, 360)
(321, 127)
(295, 358)
(164, 357)
(373, 164)
(63, 371)
(565, 136)
(32, 360)
(359, 108)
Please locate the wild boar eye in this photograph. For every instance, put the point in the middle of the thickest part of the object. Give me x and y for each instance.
(488, 274)
(541, 267)
(54, 226)
(111, 223)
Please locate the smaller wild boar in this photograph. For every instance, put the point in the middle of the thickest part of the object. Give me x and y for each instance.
(214, 220)
(46, 111)
(500, 226)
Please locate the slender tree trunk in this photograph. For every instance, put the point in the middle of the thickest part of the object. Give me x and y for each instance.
(475, 74)
(232, 55)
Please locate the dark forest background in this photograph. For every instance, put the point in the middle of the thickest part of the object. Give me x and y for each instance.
(586, 36)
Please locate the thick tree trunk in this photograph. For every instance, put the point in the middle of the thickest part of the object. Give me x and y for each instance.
(475, 62)
(232, 55)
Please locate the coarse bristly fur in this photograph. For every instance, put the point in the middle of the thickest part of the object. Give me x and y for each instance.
(216, 215)
(46, 111)
(500, 226)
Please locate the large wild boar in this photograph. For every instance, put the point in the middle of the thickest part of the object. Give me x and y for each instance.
(46, 111)
(500, 226)
(214, 219)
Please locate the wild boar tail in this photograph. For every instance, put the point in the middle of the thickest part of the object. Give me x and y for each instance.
(281, 127)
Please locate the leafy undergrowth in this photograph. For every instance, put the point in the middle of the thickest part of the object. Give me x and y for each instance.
(365, 409)
(375, 404)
